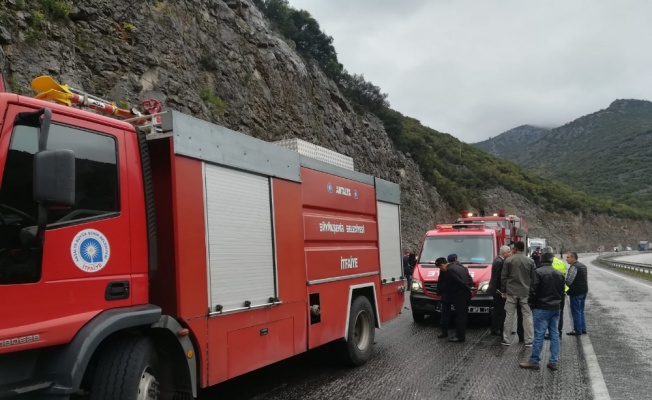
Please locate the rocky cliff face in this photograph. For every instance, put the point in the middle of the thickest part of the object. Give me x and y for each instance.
(220, 60)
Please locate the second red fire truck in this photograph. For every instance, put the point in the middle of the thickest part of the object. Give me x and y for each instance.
(475, 240)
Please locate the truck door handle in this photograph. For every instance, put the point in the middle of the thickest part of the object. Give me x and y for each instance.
(117, 290)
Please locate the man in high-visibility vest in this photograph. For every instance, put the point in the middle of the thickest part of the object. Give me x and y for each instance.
(561, 267)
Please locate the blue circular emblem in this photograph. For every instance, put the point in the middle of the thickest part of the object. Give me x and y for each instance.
(90, 250)
(329, 187)
(355, 194)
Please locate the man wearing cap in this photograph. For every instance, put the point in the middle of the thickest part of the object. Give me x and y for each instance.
(515, 285)
(459, 284)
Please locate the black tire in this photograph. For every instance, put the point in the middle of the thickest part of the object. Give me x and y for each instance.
(127, 370)
(361, 332)
(418, 316)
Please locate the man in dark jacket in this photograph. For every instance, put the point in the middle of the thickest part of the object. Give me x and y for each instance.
(498, 312)
(443, 290)
(578, 286)
(546, 291)
(460, 284)
(407, 268)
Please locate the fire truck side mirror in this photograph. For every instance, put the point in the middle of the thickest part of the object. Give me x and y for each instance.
(54, 178)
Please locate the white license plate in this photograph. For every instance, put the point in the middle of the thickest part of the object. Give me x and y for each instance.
(479, 310)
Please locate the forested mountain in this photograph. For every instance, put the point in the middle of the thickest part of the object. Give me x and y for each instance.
(607, 153)
(515, 144)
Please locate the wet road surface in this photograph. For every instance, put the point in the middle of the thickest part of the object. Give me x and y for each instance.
(409, 362)
(643, 258)
(619, 323)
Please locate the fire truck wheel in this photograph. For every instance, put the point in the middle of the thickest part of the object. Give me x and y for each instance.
(127, 370)
(362, 330)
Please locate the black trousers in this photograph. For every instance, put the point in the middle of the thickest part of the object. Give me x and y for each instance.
(498, 314)
(461, 302)
(519, 323)
(445, 321)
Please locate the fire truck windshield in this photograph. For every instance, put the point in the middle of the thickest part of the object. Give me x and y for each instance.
(469, 249)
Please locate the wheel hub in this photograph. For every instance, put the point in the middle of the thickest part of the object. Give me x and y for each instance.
(362, 329)
(148, 386)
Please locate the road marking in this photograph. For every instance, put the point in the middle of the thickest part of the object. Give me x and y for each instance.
(598, 384)
(624, 277)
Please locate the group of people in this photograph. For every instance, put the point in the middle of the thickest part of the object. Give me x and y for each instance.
(540, 293)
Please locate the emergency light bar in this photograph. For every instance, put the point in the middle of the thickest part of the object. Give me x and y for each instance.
(461, 226)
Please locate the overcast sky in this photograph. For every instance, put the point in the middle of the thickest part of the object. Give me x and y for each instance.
(476, 68)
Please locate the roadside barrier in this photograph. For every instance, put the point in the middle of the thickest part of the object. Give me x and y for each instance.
(608, 260)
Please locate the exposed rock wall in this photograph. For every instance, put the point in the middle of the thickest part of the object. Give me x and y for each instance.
(220, 60)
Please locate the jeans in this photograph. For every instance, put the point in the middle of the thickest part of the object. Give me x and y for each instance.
(561, 313)
(577, 311)
(545, 319)
(408, 276)
(510, 310)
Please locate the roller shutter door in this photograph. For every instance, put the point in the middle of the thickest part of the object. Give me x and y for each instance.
(389, 241)
(239, 238)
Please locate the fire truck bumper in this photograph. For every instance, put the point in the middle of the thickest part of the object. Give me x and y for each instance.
(419, 302)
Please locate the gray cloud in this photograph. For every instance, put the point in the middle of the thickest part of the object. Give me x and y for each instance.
(475, 69)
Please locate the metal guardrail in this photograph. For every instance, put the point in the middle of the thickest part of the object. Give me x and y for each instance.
(607, 259)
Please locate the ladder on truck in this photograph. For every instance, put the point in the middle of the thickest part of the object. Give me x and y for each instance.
(150, 120)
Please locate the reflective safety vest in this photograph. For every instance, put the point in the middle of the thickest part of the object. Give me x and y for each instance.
(561, 267)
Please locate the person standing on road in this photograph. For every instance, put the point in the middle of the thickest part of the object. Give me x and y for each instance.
(498, 312)
(515, 285)
(407, 269)
(443, 291)
(536, 256)
(578, 286)
(460, 289)
(561, 267)
(546, 291)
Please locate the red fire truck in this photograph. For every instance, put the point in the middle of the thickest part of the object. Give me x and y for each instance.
(149, 262)
(511, 228)
(476, 241)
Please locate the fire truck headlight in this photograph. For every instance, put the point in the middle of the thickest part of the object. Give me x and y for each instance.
(483, 287)
(416, 285)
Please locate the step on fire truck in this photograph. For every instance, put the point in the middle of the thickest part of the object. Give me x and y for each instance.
(476, 241)
(163, 254)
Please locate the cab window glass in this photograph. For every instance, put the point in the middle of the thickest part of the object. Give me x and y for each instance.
(96, 172)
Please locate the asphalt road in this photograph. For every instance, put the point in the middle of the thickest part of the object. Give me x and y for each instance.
(409, 362)
(612, 362)
(619, 323)
(641, 258)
